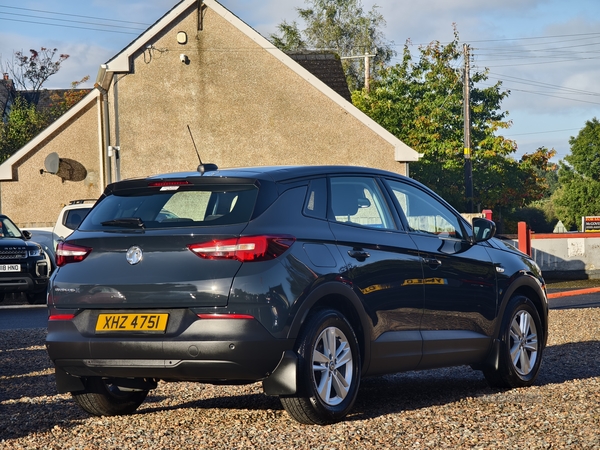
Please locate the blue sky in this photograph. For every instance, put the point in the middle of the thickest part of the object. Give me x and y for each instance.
(546, 52)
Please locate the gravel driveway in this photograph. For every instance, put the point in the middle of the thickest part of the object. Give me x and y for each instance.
(448, 408)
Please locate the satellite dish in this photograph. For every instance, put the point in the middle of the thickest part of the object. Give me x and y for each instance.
(52, 162)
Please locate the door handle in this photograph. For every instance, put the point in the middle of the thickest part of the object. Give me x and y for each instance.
(434, 263)
(360, 255)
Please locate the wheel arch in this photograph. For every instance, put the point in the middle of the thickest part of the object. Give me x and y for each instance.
(342, 298)
(529, 287)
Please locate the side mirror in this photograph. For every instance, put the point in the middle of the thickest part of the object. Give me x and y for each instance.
(26, 234)
(483, 229)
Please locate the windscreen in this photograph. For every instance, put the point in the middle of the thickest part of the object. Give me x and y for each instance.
(9, 229)
(173, 207)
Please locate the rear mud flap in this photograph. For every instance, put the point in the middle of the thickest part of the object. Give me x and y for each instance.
(283, 379)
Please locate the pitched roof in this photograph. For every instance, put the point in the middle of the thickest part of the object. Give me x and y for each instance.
(43, 98)
(326, 66)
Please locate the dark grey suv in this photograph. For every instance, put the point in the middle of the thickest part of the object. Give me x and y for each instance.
(304, 278)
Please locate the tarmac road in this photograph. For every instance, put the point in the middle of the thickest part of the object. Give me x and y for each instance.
(14, 317)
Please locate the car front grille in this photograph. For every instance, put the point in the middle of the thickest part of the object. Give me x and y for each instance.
(9, 253)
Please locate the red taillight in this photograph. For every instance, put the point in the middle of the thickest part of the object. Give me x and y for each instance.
(69, 253)
(62, 317)
(244, 249)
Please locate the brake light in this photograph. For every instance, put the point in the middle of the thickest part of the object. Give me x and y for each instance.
(67, 253)
(244, 249)
(61, 317)
(167, 183)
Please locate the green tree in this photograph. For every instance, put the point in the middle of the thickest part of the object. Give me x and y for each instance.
(536, 215)
(577, 196)
(421, 102)
(579, 177)
(585, 150)
(339, 25)
(24, 122)
(290, 37)
(540, 214)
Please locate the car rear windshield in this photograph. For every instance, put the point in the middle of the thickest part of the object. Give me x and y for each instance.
(173, 207)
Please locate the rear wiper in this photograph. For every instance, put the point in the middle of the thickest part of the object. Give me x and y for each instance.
(129, 222)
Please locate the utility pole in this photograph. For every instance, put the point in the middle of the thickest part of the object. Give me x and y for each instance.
(367, 71)
(467, 134)
(367, 66)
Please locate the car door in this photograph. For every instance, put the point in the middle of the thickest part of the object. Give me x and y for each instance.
(459, 279)
(383, 264)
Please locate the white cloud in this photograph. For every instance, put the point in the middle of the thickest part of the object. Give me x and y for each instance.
(499, 33)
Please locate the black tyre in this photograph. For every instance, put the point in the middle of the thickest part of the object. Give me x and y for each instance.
(521, 346)
(101, 398)
(328, 370)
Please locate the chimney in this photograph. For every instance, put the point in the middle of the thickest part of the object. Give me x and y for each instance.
(6, 76)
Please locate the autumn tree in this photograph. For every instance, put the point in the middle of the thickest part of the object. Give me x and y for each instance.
(339, 25)
(29, 73)
(61, 103)
(579, 177)
(420, 100)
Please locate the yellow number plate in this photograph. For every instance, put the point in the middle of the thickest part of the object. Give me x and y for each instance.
(131, 322)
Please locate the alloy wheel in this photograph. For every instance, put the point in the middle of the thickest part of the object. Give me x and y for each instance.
(523, 342)
(332, 366)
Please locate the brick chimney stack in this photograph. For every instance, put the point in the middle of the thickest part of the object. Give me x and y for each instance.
(6, 76)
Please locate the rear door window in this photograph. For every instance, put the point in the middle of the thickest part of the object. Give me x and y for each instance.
(359, 201)
(180, 206)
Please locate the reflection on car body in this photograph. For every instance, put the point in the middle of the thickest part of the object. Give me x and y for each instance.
(306, 278)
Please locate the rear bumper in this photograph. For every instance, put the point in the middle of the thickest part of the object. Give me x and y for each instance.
(226, 351)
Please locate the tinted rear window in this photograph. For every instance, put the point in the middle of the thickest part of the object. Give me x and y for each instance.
(178, 206)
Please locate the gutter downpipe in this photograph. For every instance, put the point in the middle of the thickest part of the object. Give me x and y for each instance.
(107, 175)
(117, 154)
(101, 182)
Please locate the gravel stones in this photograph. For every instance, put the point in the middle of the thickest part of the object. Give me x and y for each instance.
(447, 408)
